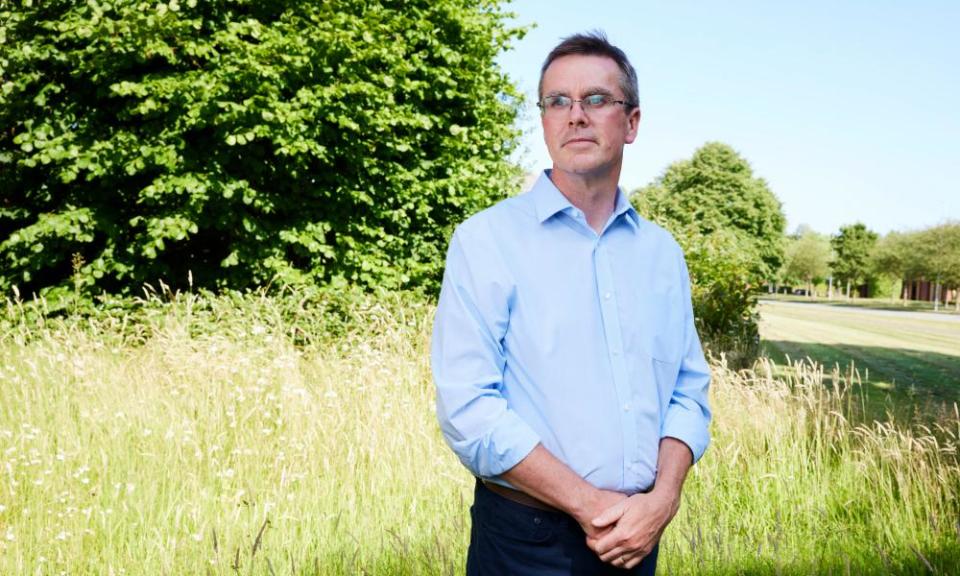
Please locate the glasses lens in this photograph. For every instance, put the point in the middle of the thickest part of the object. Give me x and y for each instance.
(556, 102)
(596, 100)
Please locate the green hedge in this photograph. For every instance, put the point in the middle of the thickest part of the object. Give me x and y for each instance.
(239, 143)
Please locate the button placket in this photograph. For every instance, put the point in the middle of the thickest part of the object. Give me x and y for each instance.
(604, 274)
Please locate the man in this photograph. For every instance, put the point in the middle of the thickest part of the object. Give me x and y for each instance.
(570, 378)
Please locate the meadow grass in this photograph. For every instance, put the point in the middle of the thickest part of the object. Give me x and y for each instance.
(295, 434)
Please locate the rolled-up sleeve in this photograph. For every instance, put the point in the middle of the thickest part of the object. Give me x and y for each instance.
(467, 360)
(688, 413)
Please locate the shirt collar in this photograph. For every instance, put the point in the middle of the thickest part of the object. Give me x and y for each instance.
(548, 200)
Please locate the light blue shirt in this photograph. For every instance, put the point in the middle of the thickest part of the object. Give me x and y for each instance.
(549, 332)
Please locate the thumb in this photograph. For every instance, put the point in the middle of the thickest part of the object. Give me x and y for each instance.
(610, 515)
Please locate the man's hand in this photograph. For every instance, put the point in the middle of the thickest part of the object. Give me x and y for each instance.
(549, 480)
(630, 529)
(600, 502)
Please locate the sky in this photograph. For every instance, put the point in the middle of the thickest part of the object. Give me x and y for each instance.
(849, 110)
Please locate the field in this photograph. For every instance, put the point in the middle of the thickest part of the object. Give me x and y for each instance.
(295, 434)
(871, 303)
(908, 363)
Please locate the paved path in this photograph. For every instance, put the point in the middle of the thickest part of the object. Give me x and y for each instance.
(840, 309)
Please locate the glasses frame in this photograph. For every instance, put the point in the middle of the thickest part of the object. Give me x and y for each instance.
(544, 109)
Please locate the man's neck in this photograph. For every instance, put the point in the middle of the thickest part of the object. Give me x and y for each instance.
(595, 196)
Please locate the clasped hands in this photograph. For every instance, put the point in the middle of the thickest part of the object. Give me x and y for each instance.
(622, 530)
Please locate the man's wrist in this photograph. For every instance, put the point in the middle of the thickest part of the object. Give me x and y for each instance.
(583, 506)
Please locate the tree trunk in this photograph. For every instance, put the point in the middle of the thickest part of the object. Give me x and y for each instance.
(848, 289)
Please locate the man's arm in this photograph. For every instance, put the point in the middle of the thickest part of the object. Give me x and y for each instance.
(467, 359)
(633, 526)
(543, 476)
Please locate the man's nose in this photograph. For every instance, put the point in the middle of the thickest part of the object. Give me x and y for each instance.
(577, 115)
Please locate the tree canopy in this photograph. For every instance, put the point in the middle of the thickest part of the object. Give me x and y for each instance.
(807, 258)
(716, 190)
(244, 141)
(852, 248)
(938, 254)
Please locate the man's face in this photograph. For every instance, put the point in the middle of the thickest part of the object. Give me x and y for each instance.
(587, 143)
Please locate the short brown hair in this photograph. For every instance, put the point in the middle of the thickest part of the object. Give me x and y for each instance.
(595, 43)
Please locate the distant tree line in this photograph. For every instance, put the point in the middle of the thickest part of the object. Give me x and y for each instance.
(859, 258)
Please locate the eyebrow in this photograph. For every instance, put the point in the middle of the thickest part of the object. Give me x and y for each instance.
(587, 92)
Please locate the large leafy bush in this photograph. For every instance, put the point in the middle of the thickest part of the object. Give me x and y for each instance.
(245, 142)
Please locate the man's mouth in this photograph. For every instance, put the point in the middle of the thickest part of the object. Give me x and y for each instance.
(579, 141)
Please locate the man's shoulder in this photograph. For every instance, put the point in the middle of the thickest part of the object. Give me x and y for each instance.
(658, 236)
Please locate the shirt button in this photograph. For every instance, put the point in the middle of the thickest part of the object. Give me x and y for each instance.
(606, 296)
(626, 407)
(616, 352)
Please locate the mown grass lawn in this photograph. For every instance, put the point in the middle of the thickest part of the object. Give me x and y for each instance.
(909, 364)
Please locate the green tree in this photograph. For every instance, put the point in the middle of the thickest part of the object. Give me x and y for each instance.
(807, 258)
(716, 190)
(311, 141)
(937, 256)
(852, 248)
(894, 257)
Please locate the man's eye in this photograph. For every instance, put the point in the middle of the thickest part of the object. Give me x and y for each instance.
(595, 100)
(558, 102)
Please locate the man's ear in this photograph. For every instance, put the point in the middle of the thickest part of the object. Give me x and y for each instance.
(633, 125)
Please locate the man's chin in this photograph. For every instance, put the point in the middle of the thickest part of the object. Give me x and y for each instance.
(583, 167)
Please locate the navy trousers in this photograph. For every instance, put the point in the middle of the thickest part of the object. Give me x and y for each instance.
(508, 539)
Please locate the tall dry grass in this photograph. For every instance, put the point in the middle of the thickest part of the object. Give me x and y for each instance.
(295, 434)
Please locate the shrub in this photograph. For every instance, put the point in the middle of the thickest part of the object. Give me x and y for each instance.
(325, 142)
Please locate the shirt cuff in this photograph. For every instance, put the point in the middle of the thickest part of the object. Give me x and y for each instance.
(688, 427)
(509, 441)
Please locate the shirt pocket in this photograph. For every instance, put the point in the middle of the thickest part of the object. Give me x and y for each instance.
(657, 328)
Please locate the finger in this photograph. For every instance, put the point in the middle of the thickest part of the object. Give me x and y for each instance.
(610, 515)
(612, 541)
(612, 555)
(633, 561)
